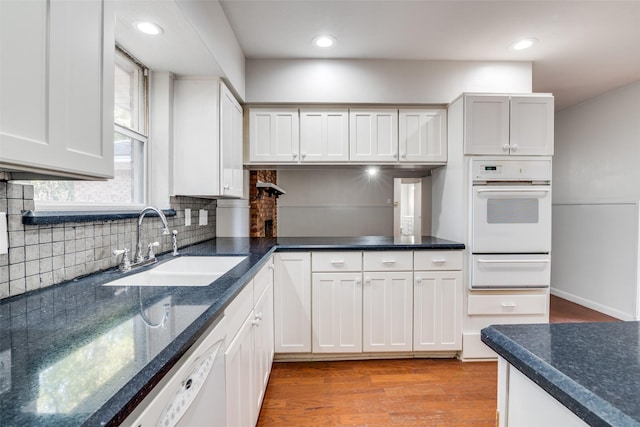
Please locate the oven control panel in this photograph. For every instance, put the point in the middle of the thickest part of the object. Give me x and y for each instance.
(511, 170)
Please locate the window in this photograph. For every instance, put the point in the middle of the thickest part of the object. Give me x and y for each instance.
(127, 188)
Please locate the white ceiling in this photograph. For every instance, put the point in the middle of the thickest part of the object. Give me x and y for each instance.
(585, 47)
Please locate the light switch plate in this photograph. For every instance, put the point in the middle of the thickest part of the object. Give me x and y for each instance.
(4, 235)
(187, 217)
(204, 219)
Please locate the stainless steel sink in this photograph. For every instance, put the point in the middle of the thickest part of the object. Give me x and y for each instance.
(183, 271)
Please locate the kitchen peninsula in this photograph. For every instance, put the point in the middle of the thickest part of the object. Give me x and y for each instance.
(578, 372)
(81, 353)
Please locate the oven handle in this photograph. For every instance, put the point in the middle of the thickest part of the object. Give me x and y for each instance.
(512, 261)
(522, 190)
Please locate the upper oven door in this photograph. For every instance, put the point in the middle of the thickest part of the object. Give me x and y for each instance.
(511, 219)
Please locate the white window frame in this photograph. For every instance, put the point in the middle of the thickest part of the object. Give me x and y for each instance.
(142, 117)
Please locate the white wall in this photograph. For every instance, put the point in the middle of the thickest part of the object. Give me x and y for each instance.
(339, 202)
(596, 189)
(379, 81)
(597, 148)
(211, 23)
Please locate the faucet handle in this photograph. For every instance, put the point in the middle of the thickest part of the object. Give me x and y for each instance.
(125, 265)
(150, 254)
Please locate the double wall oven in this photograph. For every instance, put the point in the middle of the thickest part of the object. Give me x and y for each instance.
(510, 223)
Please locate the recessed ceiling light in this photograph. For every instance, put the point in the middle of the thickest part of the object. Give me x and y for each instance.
(324, 41)
(523, 44)
(148, 28)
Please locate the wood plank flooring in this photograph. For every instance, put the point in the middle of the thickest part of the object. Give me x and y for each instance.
(407, 392)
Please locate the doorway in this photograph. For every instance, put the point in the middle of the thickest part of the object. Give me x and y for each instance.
(407, 207)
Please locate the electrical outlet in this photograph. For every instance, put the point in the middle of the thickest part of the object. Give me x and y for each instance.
(204, 219)
(5, 371)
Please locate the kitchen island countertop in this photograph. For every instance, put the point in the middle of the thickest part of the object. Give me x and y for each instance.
(80, 353)
(593, 369)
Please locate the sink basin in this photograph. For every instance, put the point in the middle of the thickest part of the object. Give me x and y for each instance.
(183, 271)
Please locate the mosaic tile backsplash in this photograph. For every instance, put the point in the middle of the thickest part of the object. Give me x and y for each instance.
(44, 255)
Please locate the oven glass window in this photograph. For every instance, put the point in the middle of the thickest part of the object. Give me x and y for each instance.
(512, 211)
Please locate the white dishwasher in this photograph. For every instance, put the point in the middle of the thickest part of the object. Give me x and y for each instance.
(193, 392)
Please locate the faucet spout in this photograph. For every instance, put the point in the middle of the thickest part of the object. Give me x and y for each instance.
(165, 230)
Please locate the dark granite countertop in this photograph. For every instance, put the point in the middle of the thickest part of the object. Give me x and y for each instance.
(591, 368)
(80, 353)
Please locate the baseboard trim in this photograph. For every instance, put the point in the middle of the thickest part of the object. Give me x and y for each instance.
(326, 357)
(593, 305)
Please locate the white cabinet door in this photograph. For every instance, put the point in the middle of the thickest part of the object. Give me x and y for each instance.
(231, 142)
(324, 135)
(239, 368)
(531, 130)
(423, 136)
(57, 80)
(437, 311)
(387, 311)
(373, 135)
(263, 348)
(292, 302)
(486, 124)
(337, 312)
(273, 135)
(196, 127)
(207, 134)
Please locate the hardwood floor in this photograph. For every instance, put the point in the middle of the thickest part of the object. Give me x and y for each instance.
(563, 311)
(410, 392)
(407, 392)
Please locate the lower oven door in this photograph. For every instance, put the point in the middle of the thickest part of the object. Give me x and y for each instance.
(510, 271)
(511, 219)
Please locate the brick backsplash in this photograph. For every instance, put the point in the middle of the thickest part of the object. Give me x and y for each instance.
(262, 206)
(44, 255)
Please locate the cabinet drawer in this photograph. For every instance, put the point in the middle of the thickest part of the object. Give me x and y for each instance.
(336, 261)
(388, 261)
(507, 304)
(238, 310)
(437, 260)
(262, 280)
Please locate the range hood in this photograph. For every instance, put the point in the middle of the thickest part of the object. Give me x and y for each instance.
(271, 188)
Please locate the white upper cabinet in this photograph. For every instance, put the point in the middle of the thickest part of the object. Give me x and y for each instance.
(324, 135)
(532, 125)
(231, 143)
(207, 153)
(508, 125)
(373, 135)
(273, 135)
(423, 136)
(57, 80)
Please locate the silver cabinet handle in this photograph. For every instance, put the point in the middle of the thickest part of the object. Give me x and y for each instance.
(388, 261)
(438, 261)
(519, 190)
(337, 262)
(508, 304)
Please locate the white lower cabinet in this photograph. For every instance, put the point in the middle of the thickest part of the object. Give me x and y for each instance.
(387, 323)
(437, 311)
(339, 302)
(292, 302)
(249, 355)
(240, 372)
(337, 312)
(520, 401)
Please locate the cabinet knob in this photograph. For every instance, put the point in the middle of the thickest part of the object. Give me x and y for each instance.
(514, 147)
(227, 186)
(367, 280)
(294, 155)
(270, 266)
(404, 155)
(394, 154)
(304, 155)
(418, 279)
(505, 147)
(358, 281)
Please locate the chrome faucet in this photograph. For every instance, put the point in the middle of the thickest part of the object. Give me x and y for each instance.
(139, 259)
